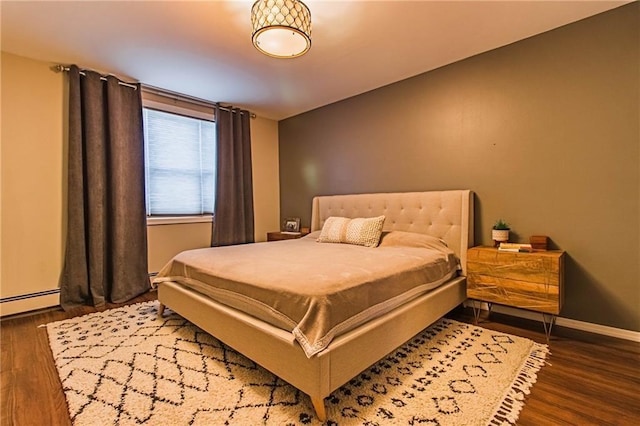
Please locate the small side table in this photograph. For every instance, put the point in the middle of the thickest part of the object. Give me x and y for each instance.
(279, 235)
(532, 281)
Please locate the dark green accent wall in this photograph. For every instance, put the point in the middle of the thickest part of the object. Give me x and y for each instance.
(545, 131)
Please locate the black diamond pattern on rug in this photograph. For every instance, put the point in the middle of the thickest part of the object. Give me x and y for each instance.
(126, 366)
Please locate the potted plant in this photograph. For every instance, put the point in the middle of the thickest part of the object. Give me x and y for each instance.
(500, 232)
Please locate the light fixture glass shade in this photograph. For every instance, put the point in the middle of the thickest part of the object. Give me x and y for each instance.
(281, 28)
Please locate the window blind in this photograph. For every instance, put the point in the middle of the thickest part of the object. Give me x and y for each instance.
(179, 164)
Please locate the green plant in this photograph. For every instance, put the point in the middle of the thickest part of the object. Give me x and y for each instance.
(501, 224)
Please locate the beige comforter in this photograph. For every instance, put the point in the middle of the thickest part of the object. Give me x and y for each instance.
(316, 290)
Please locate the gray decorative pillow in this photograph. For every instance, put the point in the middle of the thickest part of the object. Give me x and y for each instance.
(360, 231)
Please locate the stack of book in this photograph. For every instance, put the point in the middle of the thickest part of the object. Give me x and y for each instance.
(515, 247)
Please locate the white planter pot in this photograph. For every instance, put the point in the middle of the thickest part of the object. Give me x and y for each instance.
(500, 235)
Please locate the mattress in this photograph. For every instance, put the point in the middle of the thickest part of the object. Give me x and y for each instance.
(316, 290)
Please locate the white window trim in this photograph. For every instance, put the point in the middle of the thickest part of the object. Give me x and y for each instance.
(175, 220)
(175, 109)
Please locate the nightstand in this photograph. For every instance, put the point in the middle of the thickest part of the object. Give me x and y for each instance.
(278, 236)
(532, 281)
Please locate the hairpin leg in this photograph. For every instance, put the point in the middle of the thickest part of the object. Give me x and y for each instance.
(477, 310)
(548, 320)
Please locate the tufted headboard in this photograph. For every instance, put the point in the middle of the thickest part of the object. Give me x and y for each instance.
(443, 214)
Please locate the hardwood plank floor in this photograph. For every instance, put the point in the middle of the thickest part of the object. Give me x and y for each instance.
(31, 392)
(590, 379)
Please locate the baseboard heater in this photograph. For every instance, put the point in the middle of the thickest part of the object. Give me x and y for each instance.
(29, 296)
(22, 303)
(29, 302)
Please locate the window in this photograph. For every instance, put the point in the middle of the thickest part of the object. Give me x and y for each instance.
(179, 164)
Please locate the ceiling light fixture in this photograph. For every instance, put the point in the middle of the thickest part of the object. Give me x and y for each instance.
(281, 28)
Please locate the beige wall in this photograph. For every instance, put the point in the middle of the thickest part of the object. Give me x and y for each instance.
(32, 233)
(32, 174)
(165, 241)
(266, 176)
(545, 131)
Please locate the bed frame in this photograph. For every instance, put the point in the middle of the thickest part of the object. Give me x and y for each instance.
(443, 214)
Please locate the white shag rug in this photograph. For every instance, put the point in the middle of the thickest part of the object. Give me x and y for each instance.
(126, 366)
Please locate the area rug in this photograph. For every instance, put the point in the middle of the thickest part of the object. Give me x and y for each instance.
(126, 366)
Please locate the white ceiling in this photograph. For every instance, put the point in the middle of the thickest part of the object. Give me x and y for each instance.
(203, 48)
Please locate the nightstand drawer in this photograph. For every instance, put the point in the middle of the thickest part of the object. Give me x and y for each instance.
(531, 281)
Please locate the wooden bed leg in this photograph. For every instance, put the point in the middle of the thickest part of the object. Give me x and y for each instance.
(318, 405)
(160, 310)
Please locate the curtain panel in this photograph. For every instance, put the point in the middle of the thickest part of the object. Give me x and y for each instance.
(233, 218)
(106, 246)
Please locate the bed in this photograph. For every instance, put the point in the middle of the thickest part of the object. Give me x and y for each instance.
(348, 347)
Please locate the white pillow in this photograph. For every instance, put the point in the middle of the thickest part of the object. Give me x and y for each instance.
(360, 231)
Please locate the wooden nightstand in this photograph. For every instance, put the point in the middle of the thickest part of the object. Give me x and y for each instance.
(278, 236)
(532, 281)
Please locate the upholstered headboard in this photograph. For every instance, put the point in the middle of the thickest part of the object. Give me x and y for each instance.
(443, 214)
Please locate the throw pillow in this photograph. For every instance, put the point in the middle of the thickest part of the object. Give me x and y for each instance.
(360, 231)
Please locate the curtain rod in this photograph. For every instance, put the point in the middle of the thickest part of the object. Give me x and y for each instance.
(180, 97)
(159, 91)
(62, 68)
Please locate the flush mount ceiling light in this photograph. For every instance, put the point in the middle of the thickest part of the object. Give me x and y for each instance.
(281, 28)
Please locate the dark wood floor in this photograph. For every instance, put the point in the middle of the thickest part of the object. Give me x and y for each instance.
(590, 379)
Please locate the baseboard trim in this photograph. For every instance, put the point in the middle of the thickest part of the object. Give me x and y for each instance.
(604, 330)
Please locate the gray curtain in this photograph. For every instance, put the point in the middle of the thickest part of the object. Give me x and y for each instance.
(233, 211)
(106, 250)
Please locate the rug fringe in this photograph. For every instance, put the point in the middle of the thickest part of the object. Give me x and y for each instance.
(508, 411)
